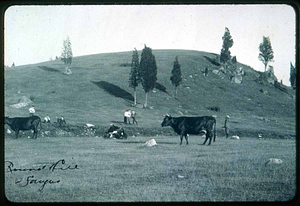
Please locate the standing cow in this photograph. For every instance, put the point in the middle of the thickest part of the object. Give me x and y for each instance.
(192, 125)
(23, 123)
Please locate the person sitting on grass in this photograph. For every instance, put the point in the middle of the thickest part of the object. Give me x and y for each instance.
(61, 121)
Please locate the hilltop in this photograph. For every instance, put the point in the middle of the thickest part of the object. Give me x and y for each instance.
(97, 92)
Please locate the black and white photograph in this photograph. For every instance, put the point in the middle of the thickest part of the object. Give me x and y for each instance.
(150, 103)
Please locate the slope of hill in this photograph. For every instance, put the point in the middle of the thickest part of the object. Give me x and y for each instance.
(97, 92)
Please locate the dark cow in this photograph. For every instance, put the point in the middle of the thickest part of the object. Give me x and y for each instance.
(192, 125)
(115, 132)
(23, 123)
(112, 128)
(119, 134)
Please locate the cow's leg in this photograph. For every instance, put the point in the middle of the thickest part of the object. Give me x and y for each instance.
(186, 139)
(34, 133)
(209, 134)
(181, 137)
(206, 138)
(214, 135)
(17, 133)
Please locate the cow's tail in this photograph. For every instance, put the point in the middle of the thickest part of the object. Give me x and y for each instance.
(40, 123)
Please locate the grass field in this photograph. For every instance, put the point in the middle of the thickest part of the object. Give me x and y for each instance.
(97, 92)
(124, 170)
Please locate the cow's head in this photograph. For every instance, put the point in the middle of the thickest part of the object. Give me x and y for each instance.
(167, 121)
(7, 120)
(121, 131)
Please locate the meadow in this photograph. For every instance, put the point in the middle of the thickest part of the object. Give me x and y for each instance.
(110, 170)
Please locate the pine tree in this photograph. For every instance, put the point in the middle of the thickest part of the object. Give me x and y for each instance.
(227, 44)
(293, 76)
(133, 78)
(147, 71)
(67, 55)
(176, 75)
(266, 54)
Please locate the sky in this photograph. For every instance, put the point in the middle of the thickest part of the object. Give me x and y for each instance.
(34, 34)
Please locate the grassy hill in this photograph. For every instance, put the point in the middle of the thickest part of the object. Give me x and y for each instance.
(97, 92)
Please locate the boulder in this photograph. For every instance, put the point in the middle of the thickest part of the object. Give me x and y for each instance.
(150, 143)
(267, 77)
(274, 161)
(215, 71)
(89, 125)
(222, 69)
(23, 102)
(235, 137)
(237, 79)
(240, 70)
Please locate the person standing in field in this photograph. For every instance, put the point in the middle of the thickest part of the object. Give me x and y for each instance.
(225, 126)
(127, 115)
(31, 111)
(125, 118)
(133, 117)
(206, 72)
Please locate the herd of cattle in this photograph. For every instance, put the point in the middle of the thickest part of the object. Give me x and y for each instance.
(183, 126)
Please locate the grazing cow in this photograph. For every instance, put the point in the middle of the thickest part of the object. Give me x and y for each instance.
(192, 125)
(23, 123)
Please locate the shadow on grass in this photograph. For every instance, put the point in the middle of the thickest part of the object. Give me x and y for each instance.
(161, 87)
(49, 69)
(131, 142)
(117, 122)
(139, 142)
(114, 90)
(213, 61)
(158, 142)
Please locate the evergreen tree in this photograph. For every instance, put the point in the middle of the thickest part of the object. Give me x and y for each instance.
(266, 54)
(227, 44)
(176, 75)
(147, 71)
(133, 78)
(67, 55)
(293, 76)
